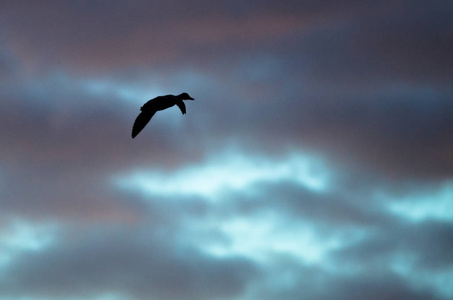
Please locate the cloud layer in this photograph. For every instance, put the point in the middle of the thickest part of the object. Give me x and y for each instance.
(315, 163)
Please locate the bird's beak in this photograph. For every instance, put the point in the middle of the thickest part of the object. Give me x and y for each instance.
(190, 98)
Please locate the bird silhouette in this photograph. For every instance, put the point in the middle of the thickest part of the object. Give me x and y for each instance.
(158, 103)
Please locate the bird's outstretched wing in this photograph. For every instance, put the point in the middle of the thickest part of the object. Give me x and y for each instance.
(141, 121)
(181, 106)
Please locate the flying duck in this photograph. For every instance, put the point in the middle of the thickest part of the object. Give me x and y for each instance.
(158, 103)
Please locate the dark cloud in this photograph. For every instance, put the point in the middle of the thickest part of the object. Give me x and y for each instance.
(135, 265)
(99, 37)
(400, 136)
(379, 286)
(424, 244)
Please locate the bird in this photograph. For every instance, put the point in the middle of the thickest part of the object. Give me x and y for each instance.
(159, 103)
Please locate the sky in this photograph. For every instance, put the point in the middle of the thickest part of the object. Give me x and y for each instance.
(316, 161)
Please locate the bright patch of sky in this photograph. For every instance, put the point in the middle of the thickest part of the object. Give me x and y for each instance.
(26, 236)
(266, 237)
(20, 235)
(133, 93)
(230, 172)
(425, 205)
(141, 90)
(108, 89)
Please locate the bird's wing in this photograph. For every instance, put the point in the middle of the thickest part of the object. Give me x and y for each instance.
(141, 121)
(181, 106)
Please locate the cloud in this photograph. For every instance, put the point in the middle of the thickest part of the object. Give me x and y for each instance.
(432, 205)
(137, 266)
(142, 33)
(330, 234)
(372, 120)
(315, 162)
(231, 172)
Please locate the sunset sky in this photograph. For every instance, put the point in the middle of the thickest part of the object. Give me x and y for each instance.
(316, 161)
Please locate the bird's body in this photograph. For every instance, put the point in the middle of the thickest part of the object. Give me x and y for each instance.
(156, 104)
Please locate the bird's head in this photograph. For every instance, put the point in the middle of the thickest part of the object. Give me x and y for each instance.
(185, 96)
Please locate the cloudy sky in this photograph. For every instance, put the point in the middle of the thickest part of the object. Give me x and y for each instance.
(316, 161)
